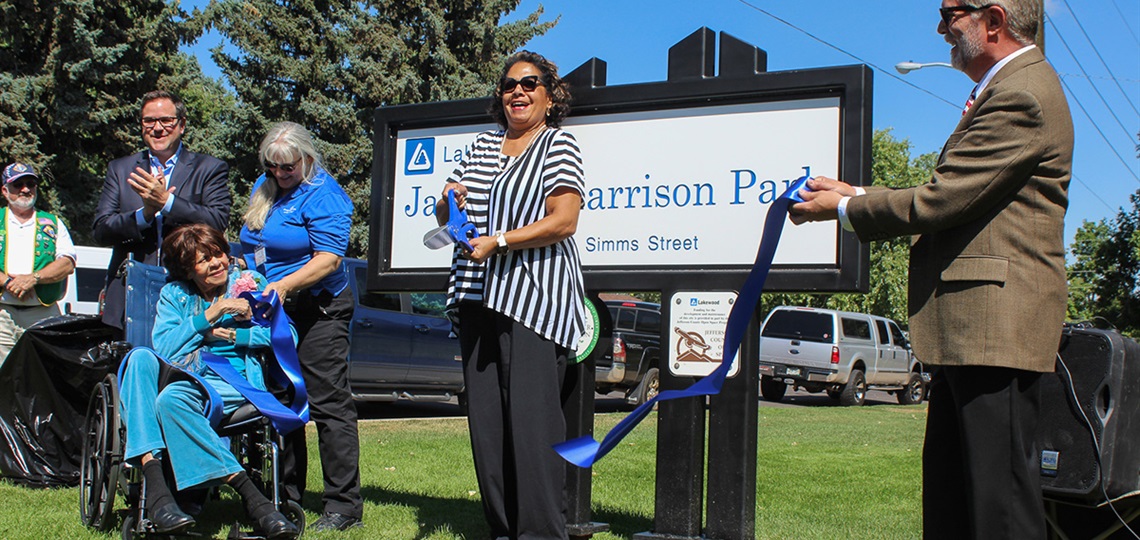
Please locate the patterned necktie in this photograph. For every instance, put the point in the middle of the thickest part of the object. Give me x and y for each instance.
(167, 170)
(970, 102)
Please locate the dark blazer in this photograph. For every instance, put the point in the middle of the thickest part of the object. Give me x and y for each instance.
(987, 269)
(202, 195)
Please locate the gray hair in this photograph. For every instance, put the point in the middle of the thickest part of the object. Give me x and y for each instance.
(1022, 17)
(286, 142)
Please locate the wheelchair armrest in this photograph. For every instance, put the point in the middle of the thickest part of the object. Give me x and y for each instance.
(245, 418)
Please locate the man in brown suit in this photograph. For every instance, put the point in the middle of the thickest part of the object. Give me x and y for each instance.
(987, 272)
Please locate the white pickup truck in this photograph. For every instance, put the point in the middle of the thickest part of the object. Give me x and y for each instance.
(838, 352)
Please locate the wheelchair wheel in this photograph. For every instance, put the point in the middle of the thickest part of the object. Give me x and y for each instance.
(294, 513)
(127, 531)
(102, 455)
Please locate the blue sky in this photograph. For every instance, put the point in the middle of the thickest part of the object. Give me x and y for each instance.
(633, 37)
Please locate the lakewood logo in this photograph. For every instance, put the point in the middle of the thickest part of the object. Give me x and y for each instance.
(418, 156)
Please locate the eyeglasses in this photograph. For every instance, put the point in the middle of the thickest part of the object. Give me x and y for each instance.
(166, 122)
(528, 83)
(286, 167)
(948, 13)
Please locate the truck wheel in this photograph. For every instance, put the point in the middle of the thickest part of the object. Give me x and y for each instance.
(856, 390)
(771, 389)
(649, 387)
(913, 392)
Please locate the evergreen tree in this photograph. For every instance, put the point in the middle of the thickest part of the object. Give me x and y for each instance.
(71, 75)
(327, 64)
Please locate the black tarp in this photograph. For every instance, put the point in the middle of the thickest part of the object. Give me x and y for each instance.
(45, 385)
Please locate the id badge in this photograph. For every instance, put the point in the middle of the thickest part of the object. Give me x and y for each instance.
(259, 257)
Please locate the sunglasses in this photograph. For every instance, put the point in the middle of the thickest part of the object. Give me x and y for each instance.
(528, 84)
(948, 13)
(285, 167)
(166, 122)
(19, 185)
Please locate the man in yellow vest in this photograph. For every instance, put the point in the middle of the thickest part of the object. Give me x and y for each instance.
(36, 256)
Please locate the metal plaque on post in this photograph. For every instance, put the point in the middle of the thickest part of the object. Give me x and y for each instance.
(697, 320)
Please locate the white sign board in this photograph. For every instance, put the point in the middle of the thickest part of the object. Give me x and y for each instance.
(697, 321)
(667, 188)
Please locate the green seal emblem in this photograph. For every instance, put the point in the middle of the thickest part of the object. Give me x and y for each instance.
(589, 338)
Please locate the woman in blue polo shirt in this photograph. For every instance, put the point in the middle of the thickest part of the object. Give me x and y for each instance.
(296, 232)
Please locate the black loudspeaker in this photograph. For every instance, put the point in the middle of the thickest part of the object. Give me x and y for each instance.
(1104, 370)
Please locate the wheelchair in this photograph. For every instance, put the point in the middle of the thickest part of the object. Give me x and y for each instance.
(103, 472)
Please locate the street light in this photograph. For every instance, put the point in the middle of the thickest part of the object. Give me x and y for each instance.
(907, 67)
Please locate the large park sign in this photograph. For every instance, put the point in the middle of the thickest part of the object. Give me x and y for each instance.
(679, 177)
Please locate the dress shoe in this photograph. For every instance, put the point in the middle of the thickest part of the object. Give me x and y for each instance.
(333, 521)
(169, 518)
(275, 527)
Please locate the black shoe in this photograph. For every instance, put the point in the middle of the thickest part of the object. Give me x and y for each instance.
(192, 500)
(170, 519)
(332, 521)
(275, 527)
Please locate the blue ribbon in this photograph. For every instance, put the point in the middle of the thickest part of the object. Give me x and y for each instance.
(286, 371)
(585, 451)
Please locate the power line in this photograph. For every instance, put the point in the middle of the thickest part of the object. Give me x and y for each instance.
(1101, 58)
(1125, 19)
(1074, 177)
(956, 106)
(1098, 130)
(1099, 78)
(1094, 193)
(1127, 132)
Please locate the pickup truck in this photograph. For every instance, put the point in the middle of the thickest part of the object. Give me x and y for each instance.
(838, 352)
(401, 345)
(631, 366)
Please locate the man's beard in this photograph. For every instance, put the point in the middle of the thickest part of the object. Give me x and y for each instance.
(23, 203)
(966, 49)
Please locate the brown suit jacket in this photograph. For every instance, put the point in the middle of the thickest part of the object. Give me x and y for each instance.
(987, 268)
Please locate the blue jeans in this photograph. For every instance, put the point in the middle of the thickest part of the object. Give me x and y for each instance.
(173, 421)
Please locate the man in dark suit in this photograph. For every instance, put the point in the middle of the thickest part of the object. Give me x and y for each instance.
(987, 271)
(149, 194)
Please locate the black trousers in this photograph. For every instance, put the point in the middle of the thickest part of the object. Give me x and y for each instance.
(980, 462)
(514, 381)
(322, 324)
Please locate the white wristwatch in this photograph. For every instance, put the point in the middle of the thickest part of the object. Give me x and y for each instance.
(501, 240)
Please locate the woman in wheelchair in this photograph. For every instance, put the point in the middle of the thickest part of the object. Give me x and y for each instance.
(197, 311)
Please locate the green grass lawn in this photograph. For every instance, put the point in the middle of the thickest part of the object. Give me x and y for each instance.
(823, 472)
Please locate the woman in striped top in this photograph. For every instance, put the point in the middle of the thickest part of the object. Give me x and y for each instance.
(518, 296)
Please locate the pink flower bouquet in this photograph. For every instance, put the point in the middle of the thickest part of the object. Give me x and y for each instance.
(247, 281)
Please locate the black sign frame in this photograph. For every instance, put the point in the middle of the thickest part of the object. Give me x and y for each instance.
(852, 84)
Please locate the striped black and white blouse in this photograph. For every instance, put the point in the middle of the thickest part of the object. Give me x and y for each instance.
(541, 288)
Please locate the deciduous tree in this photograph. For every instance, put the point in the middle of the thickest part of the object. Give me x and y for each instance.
(1104, 271)
(891, 166)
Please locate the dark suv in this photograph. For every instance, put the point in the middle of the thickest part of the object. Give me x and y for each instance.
(401, 345)
(632, 364)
